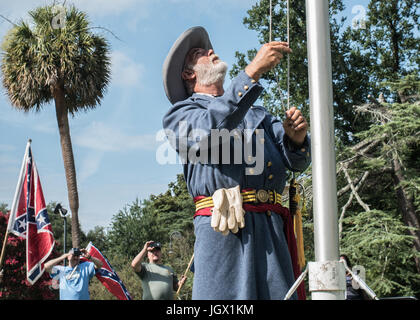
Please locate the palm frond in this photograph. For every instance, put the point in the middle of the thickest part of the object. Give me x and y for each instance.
(37, 58)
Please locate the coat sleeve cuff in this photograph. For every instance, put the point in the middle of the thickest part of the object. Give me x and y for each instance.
(245, 90)
(298, 155)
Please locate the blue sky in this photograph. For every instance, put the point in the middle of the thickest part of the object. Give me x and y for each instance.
(114, 145)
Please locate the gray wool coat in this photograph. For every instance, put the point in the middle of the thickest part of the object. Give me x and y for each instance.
(224, 142)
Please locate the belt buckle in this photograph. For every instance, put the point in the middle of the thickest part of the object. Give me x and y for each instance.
(262, 195)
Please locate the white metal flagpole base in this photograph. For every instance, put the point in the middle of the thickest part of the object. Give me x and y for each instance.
(327, 280)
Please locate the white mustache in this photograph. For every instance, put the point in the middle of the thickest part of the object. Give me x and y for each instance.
(208, 74)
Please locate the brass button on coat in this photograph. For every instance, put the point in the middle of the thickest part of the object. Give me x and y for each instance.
(270, 177)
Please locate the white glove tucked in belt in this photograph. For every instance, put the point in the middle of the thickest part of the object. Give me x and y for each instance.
(227, 213)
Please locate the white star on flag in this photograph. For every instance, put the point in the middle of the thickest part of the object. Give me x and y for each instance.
(41, 219)
(21, 224)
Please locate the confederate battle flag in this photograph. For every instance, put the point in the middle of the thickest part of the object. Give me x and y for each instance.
(29, 218)
(107, 275)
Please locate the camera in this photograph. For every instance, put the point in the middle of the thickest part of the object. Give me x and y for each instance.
(76, 252)
(155, 245)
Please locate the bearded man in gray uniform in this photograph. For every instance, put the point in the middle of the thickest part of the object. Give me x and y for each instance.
(245, 247)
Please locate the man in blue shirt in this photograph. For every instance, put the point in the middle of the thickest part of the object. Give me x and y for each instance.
(74, 278)
(241, 251)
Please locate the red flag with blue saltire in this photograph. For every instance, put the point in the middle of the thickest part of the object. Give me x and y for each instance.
(29, 218)
(107, 275)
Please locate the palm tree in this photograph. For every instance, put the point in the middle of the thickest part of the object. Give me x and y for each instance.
(68, 64)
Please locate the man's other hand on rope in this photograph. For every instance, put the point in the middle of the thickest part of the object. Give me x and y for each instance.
(270, 55)
(295, 126)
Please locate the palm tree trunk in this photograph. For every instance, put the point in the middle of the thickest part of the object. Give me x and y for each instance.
(68, 159)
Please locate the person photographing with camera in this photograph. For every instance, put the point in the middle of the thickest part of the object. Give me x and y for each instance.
(74, 278)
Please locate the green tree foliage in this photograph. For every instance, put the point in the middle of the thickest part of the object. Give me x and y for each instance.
(385, 48)
(377, 142)
(178, 255)
(130, 228)
(3, 207)
(98, 236)
(152, 219)
(175, 208)
(378, 241)
(389, 40)
(350, 77)
(380, 218)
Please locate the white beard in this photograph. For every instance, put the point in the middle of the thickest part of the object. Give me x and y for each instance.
(208, 74)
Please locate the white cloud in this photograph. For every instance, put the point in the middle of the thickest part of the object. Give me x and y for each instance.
(90, 165)
(39, 122)
(102, 137)
(125, 72)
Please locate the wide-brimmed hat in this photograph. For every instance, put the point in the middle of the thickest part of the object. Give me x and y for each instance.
(195, 37)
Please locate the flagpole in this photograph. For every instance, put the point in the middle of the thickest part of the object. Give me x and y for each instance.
(326, 275)
(14, 204)
(185, 273)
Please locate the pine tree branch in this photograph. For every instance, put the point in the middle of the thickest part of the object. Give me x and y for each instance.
(359, 183)
(360, 150)
(376, 109)
(354, 191)
(343, 211)
(356, 181)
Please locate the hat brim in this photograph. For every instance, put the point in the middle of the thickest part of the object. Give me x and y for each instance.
(196, 37)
